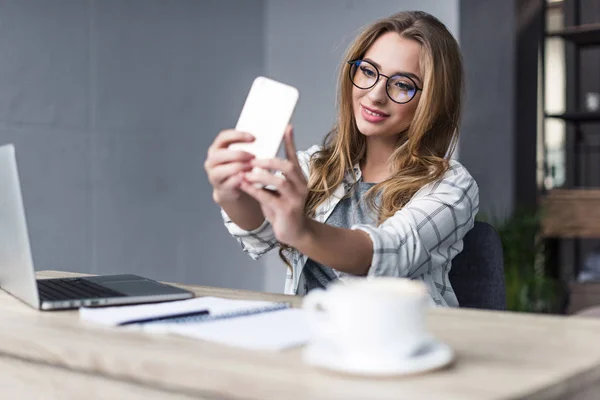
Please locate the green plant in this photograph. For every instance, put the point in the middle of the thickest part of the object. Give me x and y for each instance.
(529, 285)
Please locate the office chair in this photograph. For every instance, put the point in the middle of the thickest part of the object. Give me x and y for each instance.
(477, 273)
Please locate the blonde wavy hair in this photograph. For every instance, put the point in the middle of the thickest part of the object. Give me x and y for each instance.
(424, 148)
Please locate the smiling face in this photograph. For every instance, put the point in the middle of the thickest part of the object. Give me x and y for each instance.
(375, 113)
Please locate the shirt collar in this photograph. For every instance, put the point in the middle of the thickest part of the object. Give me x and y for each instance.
(356, 174)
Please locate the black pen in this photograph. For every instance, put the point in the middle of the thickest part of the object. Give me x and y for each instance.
(164, 317)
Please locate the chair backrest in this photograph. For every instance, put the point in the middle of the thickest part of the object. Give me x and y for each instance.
(477, 273)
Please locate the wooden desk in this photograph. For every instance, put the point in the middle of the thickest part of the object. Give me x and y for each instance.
(500, 356)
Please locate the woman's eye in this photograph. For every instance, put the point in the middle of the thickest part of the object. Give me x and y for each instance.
(368, 72)
(405, 87)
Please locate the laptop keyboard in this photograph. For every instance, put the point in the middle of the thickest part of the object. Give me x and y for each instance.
(73, 289)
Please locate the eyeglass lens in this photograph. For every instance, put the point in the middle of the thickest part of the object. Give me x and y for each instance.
(365, 75)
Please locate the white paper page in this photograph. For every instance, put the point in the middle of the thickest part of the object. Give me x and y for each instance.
(275, 330)
(215, 305)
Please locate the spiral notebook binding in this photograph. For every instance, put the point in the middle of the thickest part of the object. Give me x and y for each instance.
(234, 314)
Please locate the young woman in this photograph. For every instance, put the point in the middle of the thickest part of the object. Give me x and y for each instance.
(381, 197)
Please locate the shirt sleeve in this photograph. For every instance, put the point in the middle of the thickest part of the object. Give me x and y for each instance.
(427, 233)
(255, 243)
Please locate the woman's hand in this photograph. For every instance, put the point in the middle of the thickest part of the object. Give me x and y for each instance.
(225, 168)
(284, 207)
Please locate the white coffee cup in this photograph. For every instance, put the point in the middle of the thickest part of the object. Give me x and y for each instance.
(370, 320)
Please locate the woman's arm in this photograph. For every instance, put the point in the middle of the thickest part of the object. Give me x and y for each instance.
(256, 242)
(244, 212)
(241, 214)
(245, 220)
(346, 250)
(256, 238)
(427, 232)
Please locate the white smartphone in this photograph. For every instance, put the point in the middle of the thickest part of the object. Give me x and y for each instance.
(266, 113)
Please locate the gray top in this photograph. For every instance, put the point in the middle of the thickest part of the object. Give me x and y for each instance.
(350, 211)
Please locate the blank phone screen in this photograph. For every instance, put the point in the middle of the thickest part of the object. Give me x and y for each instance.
(266, 113)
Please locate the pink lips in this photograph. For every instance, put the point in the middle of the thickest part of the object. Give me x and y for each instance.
(370, 117)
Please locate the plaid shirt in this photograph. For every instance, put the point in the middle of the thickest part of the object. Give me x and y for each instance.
(418, 242)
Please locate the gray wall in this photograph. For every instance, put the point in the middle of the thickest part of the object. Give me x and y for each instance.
(487, 37)
(112, 105)
(300, 31)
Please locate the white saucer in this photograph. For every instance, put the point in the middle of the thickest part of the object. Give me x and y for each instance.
(434, 355)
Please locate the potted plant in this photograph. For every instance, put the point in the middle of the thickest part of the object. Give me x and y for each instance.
(530, 286)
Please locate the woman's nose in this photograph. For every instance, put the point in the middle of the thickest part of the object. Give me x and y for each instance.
(378, 93)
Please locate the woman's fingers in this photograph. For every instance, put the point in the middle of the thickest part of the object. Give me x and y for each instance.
(262, 177)
(227, 156)
(220, 173)
(229, 136)
(233, 182)
(290, 147)
(266, 198)
(289, 170)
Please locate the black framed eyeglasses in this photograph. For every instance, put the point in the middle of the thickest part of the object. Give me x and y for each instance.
(400, 88)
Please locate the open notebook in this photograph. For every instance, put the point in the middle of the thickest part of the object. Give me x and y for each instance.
(256, 325)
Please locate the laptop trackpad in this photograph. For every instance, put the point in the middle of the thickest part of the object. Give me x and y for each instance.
(140, 288)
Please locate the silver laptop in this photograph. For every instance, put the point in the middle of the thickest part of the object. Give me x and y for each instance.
(17, 275)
